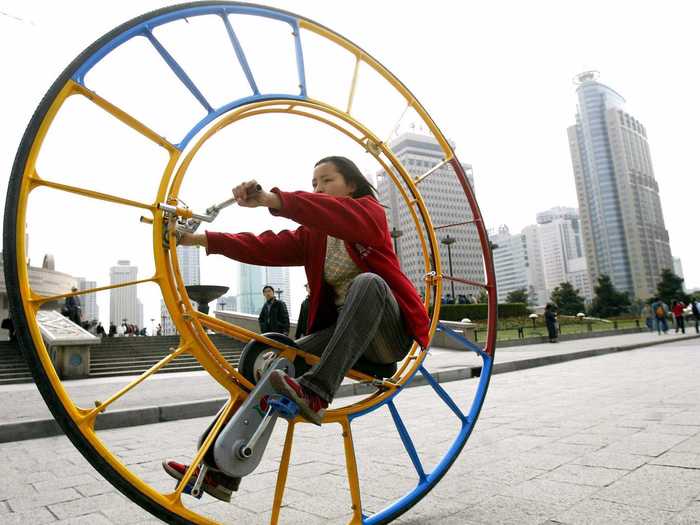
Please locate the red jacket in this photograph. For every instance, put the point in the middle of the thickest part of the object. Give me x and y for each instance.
(361, 223)
(678, 309)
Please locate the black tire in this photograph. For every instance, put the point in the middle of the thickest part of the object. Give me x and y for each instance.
(254, 349)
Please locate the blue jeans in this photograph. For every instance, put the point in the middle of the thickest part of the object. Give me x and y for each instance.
(661, 324)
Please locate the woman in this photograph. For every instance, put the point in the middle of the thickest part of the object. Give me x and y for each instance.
(677, 308)
(550, 319)
(361, 304)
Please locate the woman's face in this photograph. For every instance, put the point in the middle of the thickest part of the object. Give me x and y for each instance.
(328, 180)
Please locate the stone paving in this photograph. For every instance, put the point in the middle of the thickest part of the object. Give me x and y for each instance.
(22, 402)
(610, 439)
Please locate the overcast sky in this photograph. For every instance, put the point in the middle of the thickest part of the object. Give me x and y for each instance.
(495, 76)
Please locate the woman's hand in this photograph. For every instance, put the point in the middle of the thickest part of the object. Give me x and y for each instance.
(248, 195)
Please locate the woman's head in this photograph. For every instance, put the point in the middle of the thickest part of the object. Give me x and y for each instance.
(340, 177)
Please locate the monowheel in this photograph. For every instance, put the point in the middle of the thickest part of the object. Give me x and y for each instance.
(98, 83)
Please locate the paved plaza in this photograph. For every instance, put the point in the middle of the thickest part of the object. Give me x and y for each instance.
(608, 439)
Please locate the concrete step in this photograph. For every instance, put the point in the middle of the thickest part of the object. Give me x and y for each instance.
(145, 360)
(166, 370)
(145, 366)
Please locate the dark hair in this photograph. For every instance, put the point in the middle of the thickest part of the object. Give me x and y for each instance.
(268, 286)
(352, 175)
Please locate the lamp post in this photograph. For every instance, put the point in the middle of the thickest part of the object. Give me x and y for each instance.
(153, 326)
(449, 241)
(395, 234)
(279, 293)
(534, 318)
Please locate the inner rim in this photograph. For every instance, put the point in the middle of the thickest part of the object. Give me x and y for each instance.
(410, 365)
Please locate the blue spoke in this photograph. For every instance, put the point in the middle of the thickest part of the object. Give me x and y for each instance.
(441, 392)
(242, 60)
(179, 72)
(300, 59)
(407, 441)
(469, 345)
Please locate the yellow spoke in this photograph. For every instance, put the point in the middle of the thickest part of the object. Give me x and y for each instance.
(36, 181)
(286, 351)
(102, 406)
(351, 96)
(41, 299)
(205, 446)
(282, 474)
(428, 173)
(124, 117)
(353, 475)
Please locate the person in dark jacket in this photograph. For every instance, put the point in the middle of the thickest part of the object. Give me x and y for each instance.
(73, 307)
(303, 316)
(550, 319)
(274, 316)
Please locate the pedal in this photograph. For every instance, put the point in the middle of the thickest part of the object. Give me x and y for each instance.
(194, 488)
(239, 447)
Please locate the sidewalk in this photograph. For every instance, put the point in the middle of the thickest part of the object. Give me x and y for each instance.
(170, 397)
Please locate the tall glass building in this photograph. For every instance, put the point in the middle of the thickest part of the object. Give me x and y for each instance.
(622, 222)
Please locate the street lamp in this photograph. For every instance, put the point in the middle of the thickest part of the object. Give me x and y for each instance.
(534, 318)
(395, 234)
(449, 241)
(279, 293)
(153, 326)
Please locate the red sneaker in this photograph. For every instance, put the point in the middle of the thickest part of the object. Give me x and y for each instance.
(216, 484)
(311, 406)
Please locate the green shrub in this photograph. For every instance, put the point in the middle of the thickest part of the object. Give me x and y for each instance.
(479, 312)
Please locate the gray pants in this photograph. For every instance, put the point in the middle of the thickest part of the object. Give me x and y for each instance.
(369, 324)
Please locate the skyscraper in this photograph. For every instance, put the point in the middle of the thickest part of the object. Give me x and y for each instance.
(445, 200)
(510, 261)
(90, 310)
(562, 252)
(278, 278)
(124, 303)
(188, 257)
(622, 222)
(251, 281)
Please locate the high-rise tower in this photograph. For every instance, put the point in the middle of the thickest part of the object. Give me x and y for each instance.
(445, 200)
(622, 222)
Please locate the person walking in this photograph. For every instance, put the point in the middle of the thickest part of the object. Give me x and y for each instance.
(695, 304)
(550, 319)
(660, 310)
(274, 316)
(303, 316)
(677, 309)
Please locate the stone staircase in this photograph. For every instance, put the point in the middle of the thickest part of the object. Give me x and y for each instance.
(134, 355)
(13, 367)
(121, 356)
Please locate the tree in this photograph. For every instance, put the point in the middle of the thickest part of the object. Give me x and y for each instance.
(483, 297)
(670, 287)
(517, 296)
(568, 299)
(608, 302)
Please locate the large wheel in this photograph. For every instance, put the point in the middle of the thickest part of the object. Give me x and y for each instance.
(26, 182)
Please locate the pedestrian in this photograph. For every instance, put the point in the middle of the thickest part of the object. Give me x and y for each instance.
(677, 308)
(8, 325)
(303, 315)
(695, 304)
(100, 330)
(660, 310)
(648, 316)
(72, 307)
(550, 319)
(274, 316)
(159, 330)
(112, 330)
